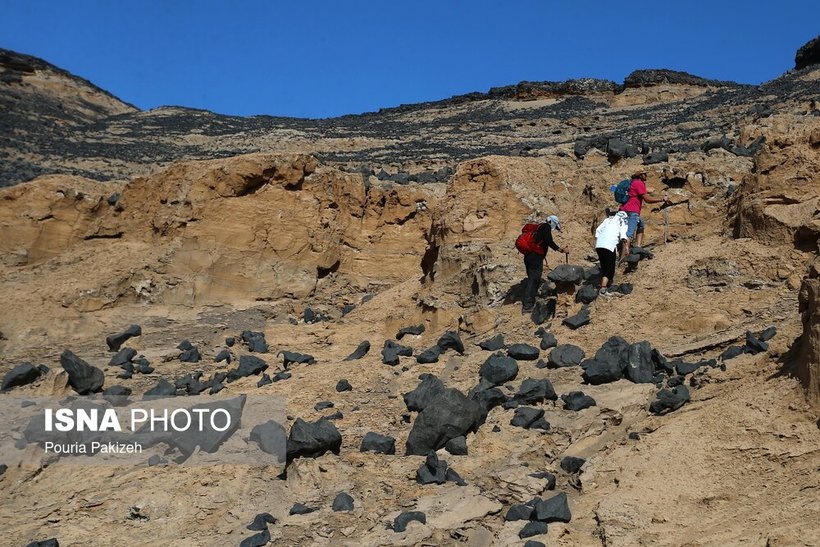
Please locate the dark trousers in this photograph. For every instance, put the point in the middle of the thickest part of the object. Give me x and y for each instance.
(534, 263)
(607, 259)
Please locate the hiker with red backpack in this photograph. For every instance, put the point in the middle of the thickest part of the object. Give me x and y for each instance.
(631, 194)
(534, 242)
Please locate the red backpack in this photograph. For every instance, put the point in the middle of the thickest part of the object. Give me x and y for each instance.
(526, 241)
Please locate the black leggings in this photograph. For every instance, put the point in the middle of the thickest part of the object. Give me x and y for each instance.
(607, 259)
(535, 267)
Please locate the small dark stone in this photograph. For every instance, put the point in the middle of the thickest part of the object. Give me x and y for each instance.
(335, 416)
(347, 308)
(457, 446)
(117, 395)
(525, 416)
(223, 355)
(20, 375)
(343, 385)
(540, 423)
(623, 288)
(265, 380)
(289, 357)
(687, 368)
(551, 479)
(381, 444)
(675, 381)
(448, 415)
(3, 469)
(114, 341)
(498, 369)
(543, 310)
(523, 352)
(432, 471)
(578, 320)
(409, 330)
(587, 294)
(300, 509)
(571, 464)
(451, 340)
(767, 334)
(496, 429)
(453, 476)
(753, 345)
(565, 355)
(154, 460)
(531, 529)
(519, 512)
(190, 356)
(249, 365)
(548, 339)
(45, 543)
(487, 396)
(230, 341)
(667, 400)
(554, 509)
(279, 376)
(493, 344)
(535, 391)
(400, 522)
(655, 157)
(82, 377)
(125, 355)
(430, 355)
(577, 400)
(164, 388)
(360, 351)
(392, 350)
(639, 366)
(261, 521)
(257, 540)
(634, 436)
(185, 345)
(532, 543)
(322, 405)
(730, 353)
(255, 341)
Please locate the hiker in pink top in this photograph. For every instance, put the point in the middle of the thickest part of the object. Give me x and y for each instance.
(638, 194)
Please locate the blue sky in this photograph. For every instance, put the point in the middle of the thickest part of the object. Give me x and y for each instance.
(326, 58)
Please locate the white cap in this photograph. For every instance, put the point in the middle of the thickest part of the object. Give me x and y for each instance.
(554, 223)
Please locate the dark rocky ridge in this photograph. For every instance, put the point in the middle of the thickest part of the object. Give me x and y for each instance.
(41, 133)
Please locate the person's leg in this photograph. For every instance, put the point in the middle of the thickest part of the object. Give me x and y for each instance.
(639, 233)
(608, 266)
(535, 267)
(632, 220)
(602, 258)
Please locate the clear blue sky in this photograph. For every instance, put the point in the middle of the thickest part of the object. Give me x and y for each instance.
(326, 58)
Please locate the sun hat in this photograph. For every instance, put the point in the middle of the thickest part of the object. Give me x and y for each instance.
(554, 223)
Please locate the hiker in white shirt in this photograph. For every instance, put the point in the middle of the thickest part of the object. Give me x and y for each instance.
(608, 235)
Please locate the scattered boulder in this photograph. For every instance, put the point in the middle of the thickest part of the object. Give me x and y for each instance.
(767, 334)
(164, 388)
(731, 352)
(322, 405)
(448, 415)
(498, 369)
(257, 540)
(343, 385)
(400, 522)
(669, 400)
(432, 471)
(289, 357)
(487, 396)
(608, 364)
(392, 351)
(114, 341)
(457, 446)
(300, 509)
(565, 355)
(360, 351)
(586, 294)
(523, 352)
(261, 521)
(658, 156)
(271, 437)
(264, 380)
(639, 366)
(548, 339)
(567, 274)
(125, 355)
(532, 543)
(255, 341)
(617, 149)
(525, 416)
(754, 345)
(3, 469)
(311, 440)
(430, 355)
(342, 502)
(519, 511)
(249, 365)
(224, 355)
(554, 509)
(543, 310)
(451, 340)
(190, 355)
(429, 387)
(381, 444)
(572, 464)
(45, 543)
(578, 320)
(535, 391)
(409, 330)
(82, 377)
(534, 528)
(577, 400)
(493, 344)
(116, 395)
(21, 375)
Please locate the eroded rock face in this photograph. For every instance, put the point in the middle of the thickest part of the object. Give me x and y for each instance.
(808, 359)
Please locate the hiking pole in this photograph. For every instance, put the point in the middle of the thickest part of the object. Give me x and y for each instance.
(665, 220)
(566, 256)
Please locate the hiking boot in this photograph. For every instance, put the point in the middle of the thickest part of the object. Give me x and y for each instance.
(606, 293)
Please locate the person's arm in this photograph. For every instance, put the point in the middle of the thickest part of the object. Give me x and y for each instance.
(649, 199)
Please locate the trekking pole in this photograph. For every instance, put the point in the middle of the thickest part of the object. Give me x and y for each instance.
(665, 220)
(566, 256)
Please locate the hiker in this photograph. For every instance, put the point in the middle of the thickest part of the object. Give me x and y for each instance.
(638, 194)
(608, 236)
(534, 242)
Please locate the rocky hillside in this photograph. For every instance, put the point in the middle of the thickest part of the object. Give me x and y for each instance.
(365, 266)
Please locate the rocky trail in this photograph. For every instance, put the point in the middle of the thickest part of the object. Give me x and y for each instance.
(681, 412)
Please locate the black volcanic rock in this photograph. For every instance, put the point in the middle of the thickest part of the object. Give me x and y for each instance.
(255, 340)
(493, 344)
(289, 357)
(82, 377)
(653, 77)
(577, 400)
(554, 509)
(578, 320)
(311, 440)
(400, 522)
(418, 329)
(448, 415)
(381, 444)
(114, 341)
(359, 352)
(498, 369)
(429, 387)
(392, 350)
(22, 374)
(343, 502)
(249, 365)
(523, 352)
(565, 355)
(451, 340)
(535, 391)
(572, 464)
(808, 54)
(125, 355)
